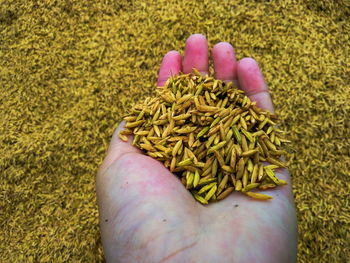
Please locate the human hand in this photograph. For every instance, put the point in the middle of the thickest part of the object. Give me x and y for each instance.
(147, 215)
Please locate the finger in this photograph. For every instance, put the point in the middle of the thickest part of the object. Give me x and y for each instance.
(117, 148)
(225, 63)
(252, 82)
(196, 54)
(171, 65)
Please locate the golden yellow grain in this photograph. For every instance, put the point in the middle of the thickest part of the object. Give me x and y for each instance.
(219, 158)
(262, 124)
(269, 144)
(240, 168)
(264, 148)
(189, 180)
(185, 162)
(207, 172)
(184, 98)
(206, 188)
(156, 115)
(244, 144)
(248, 135)
(196, 72)
(213, 130)
(202, 132)
(249, 153)
(236, 134)
(208, 163)
(156, 130)
(238, 186)
(199, 164)
(243, 123)
(245, 177)
(228, 122)
(147, 147)
(233, 158)
(255, 172)
(225, 193)
(177, 147)
(155, 107)
(217, 147)
(258, 133)
(187, 129)
(191, 139)
(222, 184)
(238, 149)
(196, 179)
(177, 138)
(227, 168)
(211, 192)
(136, 140)
(162, 148)
(281, 182)
(207, 97)
(199, 89)
(229, 135)
(206, 108)
(134, 124)
(258, 196)
(216, 121)
(217, 139)
(266, 186)
(123, 137)
(126, 132)
(143, 133)
(222, 131)
(206, 180)
(272, 137)
(182, 117)
(214, 168)
(250, 165)
(256, 158)
(260, 172)
(250, 187)
(199, 198)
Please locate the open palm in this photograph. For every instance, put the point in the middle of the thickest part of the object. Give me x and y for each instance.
(146, 215)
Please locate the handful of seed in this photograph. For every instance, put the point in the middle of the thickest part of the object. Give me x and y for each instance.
(210, 135)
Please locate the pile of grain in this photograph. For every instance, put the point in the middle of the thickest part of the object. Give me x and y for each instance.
(211, 135)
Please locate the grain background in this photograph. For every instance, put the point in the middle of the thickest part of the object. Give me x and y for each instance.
(70, 69)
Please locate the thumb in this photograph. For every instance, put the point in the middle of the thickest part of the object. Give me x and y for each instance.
(117, 148)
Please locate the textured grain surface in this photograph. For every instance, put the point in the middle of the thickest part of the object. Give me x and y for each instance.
(69, 71)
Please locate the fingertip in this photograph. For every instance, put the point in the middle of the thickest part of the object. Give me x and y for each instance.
(170, 66)
(249, 73)
(223, 44)
(173, 52)
(195, 37)
(247, 61)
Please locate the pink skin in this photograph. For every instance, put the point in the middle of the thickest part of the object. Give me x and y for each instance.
(146, 215)
(225, 63)
(196, 54)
